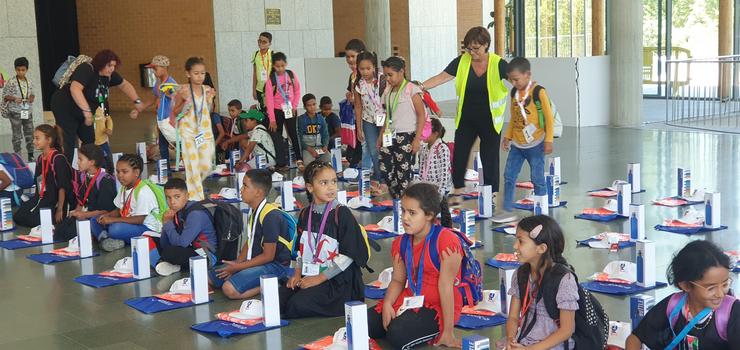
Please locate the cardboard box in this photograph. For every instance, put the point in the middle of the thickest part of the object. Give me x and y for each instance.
(476, 342)
(355, 317)
(624, 199)
(286, 196)
(239, 181)
(6, 215)
(505, 276)
(234, 157)
(199, 279)
(553, 190)
(397, 220)
(684, 182)
(270, 300)
(553, 166)
(47, 226)
(260, 161)
(364, 183)
(162, 171)
(633, 177)
(468, 223)
(540, 206)
(141, 151)
(342, 197)
(84, 238)
(140, 257)
(485, 201)
(639, 306)
(336, 159)
(637, 221)
(645, 263)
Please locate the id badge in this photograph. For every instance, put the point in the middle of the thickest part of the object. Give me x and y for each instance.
(288, 110)
(319, 151)
(200, 140)
(387, 139)
(692, 342)
(310, 269)
(410, 303)
(25, 114)
(380, 119)
(263, 75)
(528, 132)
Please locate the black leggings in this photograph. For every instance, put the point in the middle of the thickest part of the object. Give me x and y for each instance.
(177, 255)
(290, 126)
(470, 127)
(406, 331)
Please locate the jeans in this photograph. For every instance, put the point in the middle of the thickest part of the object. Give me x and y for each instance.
(108, 155)
(249, 278)
(535, 156)
(370, 152)
(118, 230)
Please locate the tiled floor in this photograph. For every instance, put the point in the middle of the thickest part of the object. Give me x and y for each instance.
(42, 308)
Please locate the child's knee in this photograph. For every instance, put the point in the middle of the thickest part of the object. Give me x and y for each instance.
(229, 291)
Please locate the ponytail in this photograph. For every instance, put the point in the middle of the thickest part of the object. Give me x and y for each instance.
(54, 133)
(444, 212)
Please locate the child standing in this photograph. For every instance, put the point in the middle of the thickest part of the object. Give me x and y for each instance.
(434, 160)
(436, 303)
(401, 132)
(194, 126)
(703, 315)
(332, 252)
(313, 132)
(259, 140)
(539, 246)
(261, 68)
(268, 227)
(53, 179)
(134, 202)
(163, 92)
(526, 137)
(282, 92)
(353, 48)
(369, 111)
(103, 127)
(17, 100)
(332, 121)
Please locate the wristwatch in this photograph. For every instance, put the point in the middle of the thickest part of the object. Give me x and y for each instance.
(137, 101)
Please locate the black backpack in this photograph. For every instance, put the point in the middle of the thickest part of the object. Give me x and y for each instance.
(228, 223)
(281, 148)
(592, 322)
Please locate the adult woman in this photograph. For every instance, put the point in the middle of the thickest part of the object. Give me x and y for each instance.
(83, 90)
(481, 103)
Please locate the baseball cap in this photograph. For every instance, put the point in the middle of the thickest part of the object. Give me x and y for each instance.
(252, 114)
(73, 246)
(615, 184)
(621, 270)
(181, 286)
(350, 173)
(611, 205)
(228, 193)
(385, 278)
(490, 301)
(692, 217)
(159, 60)
(125, 265)
(471, 175)
(339, 342)
(618, 333)
(249, 310)
(300, 181)
(359, 202)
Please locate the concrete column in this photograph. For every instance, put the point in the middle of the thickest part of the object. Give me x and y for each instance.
(499, 26)
(597, 27)
(725, 46)
(625, 50)
(378, 27)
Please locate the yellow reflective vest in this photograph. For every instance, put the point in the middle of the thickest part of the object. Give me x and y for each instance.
(497, 91)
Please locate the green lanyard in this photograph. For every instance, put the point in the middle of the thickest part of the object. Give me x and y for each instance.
(392, 108)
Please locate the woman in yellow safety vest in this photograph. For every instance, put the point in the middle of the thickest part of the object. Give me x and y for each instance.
(480, 108)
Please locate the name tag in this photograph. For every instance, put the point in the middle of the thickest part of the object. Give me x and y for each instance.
(263, 75)
(528, 132)
(310, 269)
(288, 110)
(25, 114)
(200, 140)
(380, 119)
(410, 303)
(387, 139)
(319, 151)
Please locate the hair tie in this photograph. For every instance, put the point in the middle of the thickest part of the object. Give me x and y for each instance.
(535, 232)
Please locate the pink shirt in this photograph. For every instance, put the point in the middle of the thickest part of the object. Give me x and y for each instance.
(276, 101)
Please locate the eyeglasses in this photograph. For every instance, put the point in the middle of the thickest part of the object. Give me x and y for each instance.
(724, 286)
(262, 41)
(471, 48)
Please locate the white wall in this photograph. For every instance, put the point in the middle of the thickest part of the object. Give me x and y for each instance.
(433, 41)
(595, 90)
(18, 38)
(306, 31)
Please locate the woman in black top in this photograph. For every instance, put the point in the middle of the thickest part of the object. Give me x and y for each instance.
(83, 91)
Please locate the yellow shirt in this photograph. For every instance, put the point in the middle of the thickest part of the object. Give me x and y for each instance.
(101, 124)
(514, 131)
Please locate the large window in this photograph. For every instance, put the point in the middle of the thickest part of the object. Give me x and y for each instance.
(556, 28)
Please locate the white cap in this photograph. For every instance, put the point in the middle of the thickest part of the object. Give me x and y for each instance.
(490, 301)
(615, 184)
(471, 175)
(228, 193)
(340, 340)
(358, 202)
(350, 173)
(277, 177)
(697, 196)
(611, 205)
(181, 286)
(300, 181)
(250, 309)
(73, 246)
(618, 333)
(125, 265)
(622, 270)
(385, 278)
(692, 217)
(386, 223)
(35, 232)
(219, 169)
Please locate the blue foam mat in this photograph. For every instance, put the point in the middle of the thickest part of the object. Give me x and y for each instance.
(479, 321)
(100, 281)
(622, 245)
(599, 218)
(151, 305)
(378, 235)
(619, 289)
(688, 230)
(530, 207)
(17, 243)
(374, 293)
(49, 258)
(509, 265)
(225, 329)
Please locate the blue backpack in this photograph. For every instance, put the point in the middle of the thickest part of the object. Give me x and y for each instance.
(471, 285)
(17, 169)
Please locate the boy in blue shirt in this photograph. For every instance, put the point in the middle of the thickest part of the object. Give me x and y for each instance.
(267, 248)
(313, 132)
(163, 92)
(187, 227)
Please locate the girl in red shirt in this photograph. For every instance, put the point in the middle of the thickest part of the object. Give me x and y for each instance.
(427, 309)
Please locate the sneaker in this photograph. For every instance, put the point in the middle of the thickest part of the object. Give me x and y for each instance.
(103, 236)
(110, 244)
(504, 217)
(165, 269)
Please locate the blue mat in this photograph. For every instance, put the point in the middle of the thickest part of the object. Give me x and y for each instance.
(151, 305)
(530, 207)
(607, 189)
(619, 289)
(49, 258)
(599, 218)
(736, 269)
(225, 329)
(622, 245)
(688, 230)
(378, 235)
(509, 265)
(374, 293)
(502, 229)
(375, 208)
(16, 243)
(100, 281)
(479, 321)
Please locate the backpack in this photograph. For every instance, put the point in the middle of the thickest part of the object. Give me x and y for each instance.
(558, 121)
(721, 315)
(287, 238)
(592, 322)
(471, 284)
(79, 180)
(65, 70)
(273, 80)
(347, 120)
(228, 224)
(17, 169)
(158, 195)
(280, 144)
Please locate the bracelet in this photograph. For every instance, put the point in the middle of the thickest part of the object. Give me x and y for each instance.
(87, 110)
(137, 101)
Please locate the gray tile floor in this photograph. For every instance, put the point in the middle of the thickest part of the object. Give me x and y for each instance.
(42, 308)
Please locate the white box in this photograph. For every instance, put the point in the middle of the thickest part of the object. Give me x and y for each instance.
(47, 226)
(270, 300)
(234, 157)
(553, 166)
(239, 181)
(336, 159)
(645, 263)
(485, 201)
(140, 257)
(260, 161)
(364, 183)
(141, 150)
(633, 177)
(291, 157)
(477, 164)
(6, 213)
(712, 208)
(468, 223)
(505, 276)
(286, 196)
(639, 306)
(397, 220)
(338, 144)
(162, 171)
(476, 342)
(624, 199)
(84, 238)
(684, 183)
(75, 161)
(540, 205)
(637, 222)
(553, 190)
(355, 317)
(199, 279)
(342, 197)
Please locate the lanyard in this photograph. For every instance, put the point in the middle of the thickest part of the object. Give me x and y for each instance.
(252, 227)
(520, 102)
(527, 302)
(127, 201)
(392, 108)
(198, 111)
(20, 89)
(685, 331)
(264, 63)
(373, 92)
(285, 96)
(315, 249)
(45, 164)
(419, 276)
(425, 171)
(89, 187)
